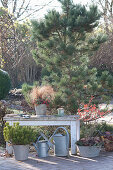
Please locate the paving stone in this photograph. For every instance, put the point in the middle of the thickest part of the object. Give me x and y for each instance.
(103, 162)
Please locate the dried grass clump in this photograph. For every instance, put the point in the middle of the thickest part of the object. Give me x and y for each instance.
(43, 92)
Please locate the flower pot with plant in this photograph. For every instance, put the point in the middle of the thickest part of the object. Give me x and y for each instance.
(90, 143)
(41, 98)
(20, 137)
(89, 147)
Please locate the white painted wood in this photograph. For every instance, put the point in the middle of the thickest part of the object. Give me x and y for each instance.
(73, 137)
(78, 129)
(41, 123)
(10, 117)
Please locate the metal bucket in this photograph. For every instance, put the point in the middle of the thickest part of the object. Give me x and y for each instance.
(89, 151)
(41, 110)
(21, 152)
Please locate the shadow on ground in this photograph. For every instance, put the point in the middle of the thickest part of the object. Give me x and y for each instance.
(103, 162)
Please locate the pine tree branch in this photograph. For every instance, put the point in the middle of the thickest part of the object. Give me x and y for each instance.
(59, 34)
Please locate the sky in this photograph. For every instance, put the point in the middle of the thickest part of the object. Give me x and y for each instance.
(54, 4)
(37, 4)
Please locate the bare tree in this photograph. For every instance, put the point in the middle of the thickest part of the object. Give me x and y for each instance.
(103, 58)
(106, 7)
(15, 50)
(22, 9)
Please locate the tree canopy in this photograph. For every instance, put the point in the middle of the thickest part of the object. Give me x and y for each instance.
(65, 44)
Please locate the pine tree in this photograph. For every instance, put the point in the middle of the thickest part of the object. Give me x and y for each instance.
(65, 44)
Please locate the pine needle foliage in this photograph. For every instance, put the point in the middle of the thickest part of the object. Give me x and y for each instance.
(64, 47)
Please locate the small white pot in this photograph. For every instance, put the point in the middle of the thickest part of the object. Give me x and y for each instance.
(21, 152)
(9, 148)
(60, 111)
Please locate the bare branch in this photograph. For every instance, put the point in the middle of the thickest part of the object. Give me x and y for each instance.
(32, 13)
(14, 7)
(4, 3)
(21, 13)
(21, 7)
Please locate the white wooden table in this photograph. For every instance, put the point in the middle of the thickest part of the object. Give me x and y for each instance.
(72, 121)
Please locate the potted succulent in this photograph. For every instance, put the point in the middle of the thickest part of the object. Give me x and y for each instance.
(41, 98)
(20, 137)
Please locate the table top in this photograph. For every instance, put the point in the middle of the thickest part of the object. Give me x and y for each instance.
(16, 117)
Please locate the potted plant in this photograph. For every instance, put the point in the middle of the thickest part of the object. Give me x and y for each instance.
(90, 143)
(41, 98)
(20, 137)
(89, 147)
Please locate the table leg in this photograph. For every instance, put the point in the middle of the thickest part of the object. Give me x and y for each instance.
(73, 137)
(78, 129)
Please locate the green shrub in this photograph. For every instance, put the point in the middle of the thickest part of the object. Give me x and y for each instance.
(26, 89)
(5, 84)
(18, 135)
(104, 127)
(94, 129)
(3, 111)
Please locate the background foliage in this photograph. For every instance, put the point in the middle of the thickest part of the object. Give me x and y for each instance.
(5, 84)
(65, 44)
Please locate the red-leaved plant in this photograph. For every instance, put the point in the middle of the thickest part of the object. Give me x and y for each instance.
(89, 112)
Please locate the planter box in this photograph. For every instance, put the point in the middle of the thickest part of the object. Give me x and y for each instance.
(21, 152)
(89, 151)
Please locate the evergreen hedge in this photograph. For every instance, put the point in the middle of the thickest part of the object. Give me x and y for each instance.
(5, 84)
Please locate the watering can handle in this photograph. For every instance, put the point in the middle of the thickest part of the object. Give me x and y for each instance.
(50, 145)
(67, 136)
(35, 144)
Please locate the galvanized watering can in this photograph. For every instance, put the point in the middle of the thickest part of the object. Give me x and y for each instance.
(61, 142)
(42, 146)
